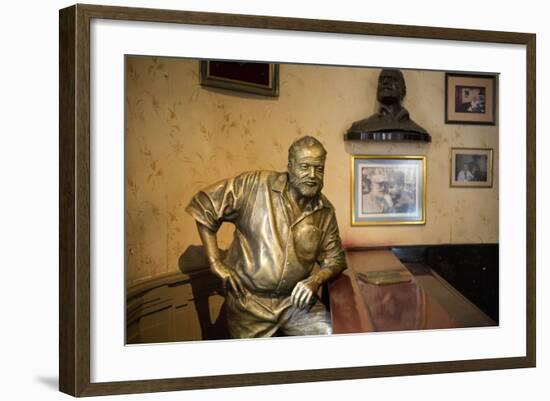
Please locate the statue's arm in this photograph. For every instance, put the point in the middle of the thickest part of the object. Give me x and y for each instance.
(210, 243)
(331, 257)
(211, 207)
(328, 273)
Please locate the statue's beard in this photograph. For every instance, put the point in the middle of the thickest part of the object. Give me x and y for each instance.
(307, 187)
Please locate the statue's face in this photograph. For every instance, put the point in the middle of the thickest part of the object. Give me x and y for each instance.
(306, 169)
(390, 87)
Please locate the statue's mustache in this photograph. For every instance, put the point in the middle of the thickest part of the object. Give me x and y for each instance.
(310, 181)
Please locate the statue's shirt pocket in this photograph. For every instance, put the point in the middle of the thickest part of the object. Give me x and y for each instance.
(306, 241)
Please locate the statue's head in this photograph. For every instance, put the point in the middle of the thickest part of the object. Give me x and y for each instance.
(306, 166)
(391, 86)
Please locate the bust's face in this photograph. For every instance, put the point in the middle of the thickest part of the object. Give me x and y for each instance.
(390, 87)
(306, 170)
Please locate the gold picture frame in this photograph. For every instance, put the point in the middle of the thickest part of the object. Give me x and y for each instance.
(388, 190)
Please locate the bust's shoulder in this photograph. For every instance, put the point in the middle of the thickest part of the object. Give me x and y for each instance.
(365, 121)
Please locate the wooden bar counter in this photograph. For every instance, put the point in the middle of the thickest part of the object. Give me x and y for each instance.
(379, 293)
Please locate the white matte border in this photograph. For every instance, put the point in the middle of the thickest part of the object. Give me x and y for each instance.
(112, 361)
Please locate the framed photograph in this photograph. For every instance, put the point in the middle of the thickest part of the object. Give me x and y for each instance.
(388, 190)
(256, 78)
(470, 99)
(471, 168)
(137, 129)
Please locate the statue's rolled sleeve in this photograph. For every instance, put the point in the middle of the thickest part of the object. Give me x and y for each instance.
(202, 209)
(220, 202)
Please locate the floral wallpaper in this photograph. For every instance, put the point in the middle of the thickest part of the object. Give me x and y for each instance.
(180, 137)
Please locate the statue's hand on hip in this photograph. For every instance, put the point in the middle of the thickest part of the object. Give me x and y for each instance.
(230, 280)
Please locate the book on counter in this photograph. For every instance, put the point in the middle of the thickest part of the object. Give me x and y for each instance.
(385, 277)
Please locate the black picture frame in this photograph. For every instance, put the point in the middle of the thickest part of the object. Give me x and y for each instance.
(256, 78)
(484, 112)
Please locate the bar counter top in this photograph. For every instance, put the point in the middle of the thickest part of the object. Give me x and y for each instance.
(379, 293)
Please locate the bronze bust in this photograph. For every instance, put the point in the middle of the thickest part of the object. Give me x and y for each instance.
(392, 122)
(284, 225)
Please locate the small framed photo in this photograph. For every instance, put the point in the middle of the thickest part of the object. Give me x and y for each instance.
(471, 167)
(256, 78)
(388, 190)
(470, 99)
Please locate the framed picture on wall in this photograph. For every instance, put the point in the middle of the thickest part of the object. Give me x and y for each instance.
(471, 168)
(256, 78)
(96, 114)
(388, 190)
(470, 99)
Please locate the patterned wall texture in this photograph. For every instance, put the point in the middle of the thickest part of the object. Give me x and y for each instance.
(181, 137)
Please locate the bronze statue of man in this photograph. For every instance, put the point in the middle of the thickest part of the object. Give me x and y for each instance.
(392, 117)
(284, 225)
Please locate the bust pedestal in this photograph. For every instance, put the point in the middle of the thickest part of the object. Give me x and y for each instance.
(388, 136)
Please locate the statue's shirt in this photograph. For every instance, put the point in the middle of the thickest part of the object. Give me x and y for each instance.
(270, 252)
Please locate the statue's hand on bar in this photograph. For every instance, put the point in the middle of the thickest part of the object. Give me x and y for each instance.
(304, 291)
